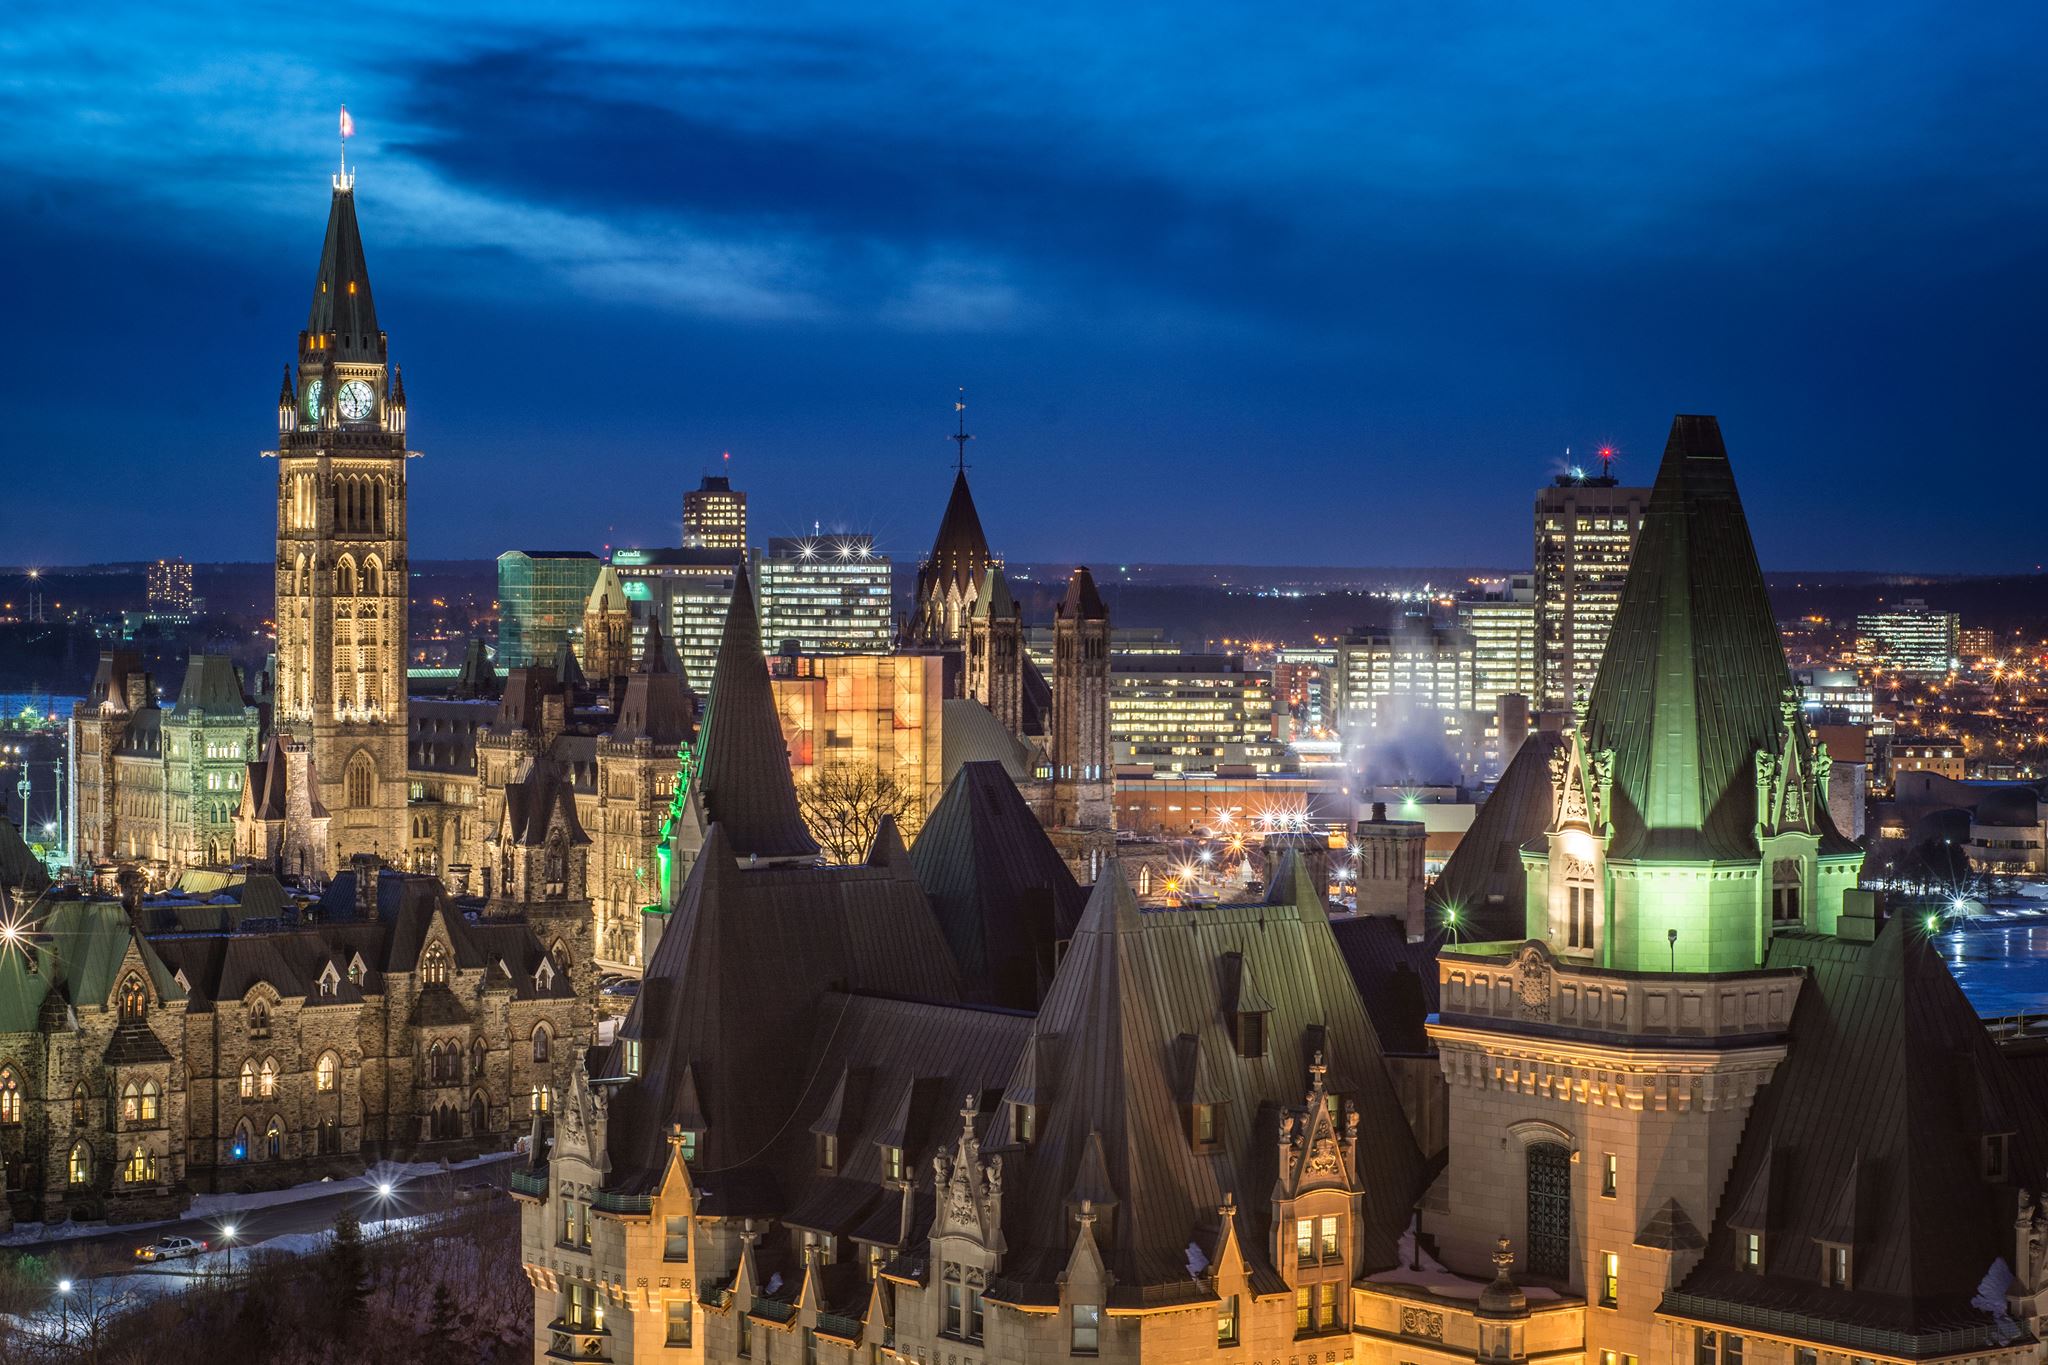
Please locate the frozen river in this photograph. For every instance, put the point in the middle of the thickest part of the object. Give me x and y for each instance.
(2001, 964)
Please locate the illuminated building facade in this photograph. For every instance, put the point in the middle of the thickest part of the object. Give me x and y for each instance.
(827, 594)
(1586, 530)
(1503, 630)
(1911, 640)
(877, 712)
(715, 516)
(1191, 713)
(541, 596)
(170, 586)
(688, 591)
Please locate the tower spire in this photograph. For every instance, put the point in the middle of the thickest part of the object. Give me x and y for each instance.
(343, 180)
(960, 438)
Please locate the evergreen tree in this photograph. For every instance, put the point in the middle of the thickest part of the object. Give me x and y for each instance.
(349, 1264)
(447, 1325)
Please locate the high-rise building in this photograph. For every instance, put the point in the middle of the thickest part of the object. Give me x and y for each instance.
(1192, 713)
(342, 566)
(1586, 529)
(1503, 630)
(879, 713)
(170, 586)
(689, 592)
(541, 596)
(714, 516)
(827, 594)
(1911, 640)
(1417, 664)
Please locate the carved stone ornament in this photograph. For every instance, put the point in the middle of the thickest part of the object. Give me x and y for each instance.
(960, 1202)
(1421, 1322)
(1532, 986)
(1322, 1160)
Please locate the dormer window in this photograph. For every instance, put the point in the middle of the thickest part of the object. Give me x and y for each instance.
(1836, 1265)
(1202, 1127)
(828, 1152)
(689, 1147)
(1997, 1156)
(1251, 1033)
(1749, 1252)
(1786, 884)
(330, 980)
(1024, 1123)
(892, 1163)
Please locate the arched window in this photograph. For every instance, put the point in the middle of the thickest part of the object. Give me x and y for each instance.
(479, 1111)
(543, 1043)
(80, 1102)
(248, 1080)
(477, 1054)
(1550, 1211)
(345, 577)
(373, 576)
(131, 1103)
(149, 1102)
(259, 1017)
(133, 1000)
(434, 965)
(239, 1149)
(10, 1096)
(273, 1139)
(141, 1169)
(266, 1077)
(327, 1073)
(362, 782)
(81, 1164)
(542, 1100)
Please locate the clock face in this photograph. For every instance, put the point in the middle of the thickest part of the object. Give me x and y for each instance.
(355, 400)
(313, 401)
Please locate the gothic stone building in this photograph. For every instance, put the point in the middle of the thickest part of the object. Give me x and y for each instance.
(250, 1041)
(1705, 1102)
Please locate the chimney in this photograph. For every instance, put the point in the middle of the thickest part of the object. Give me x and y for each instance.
(1390, 857)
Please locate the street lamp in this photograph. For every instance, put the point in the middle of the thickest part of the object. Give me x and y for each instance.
(64, 1309)
(227, 1239)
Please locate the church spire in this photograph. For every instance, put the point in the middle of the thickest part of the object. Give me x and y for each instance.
(342, 322)
(742, 759)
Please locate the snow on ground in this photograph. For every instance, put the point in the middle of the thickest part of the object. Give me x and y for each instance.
(214, 1206)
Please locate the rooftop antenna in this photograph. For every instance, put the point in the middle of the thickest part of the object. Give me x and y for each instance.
(343, 180)
(960, 438)
(1606, 462)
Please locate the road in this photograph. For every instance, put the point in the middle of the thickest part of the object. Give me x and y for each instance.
(253, 1227)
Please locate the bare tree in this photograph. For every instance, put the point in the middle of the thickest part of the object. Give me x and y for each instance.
(844, 804)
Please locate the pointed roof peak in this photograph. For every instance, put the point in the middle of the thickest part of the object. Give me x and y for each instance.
(742, 760)
(1083, 602)
(343, 309)
(608, 593)
(994, 601)
(1112, 908)
(960, 550)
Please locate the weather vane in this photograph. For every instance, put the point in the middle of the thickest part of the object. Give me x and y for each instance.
(344, 181)
(960, 437)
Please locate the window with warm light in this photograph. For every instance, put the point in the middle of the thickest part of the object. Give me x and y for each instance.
(1227, 1322)
(1610, 1279)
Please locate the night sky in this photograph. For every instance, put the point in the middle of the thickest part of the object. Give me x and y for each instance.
(1294, 284)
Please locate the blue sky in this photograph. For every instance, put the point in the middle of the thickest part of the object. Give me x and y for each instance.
(1328, 284)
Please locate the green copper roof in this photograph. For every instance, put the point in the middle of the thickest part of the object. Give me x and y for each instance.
(212, 689)
(75, 948)
(1690, 685)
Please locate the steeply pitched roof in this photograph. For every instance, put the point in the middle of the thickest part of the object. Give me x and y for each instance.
(1871, 1132)
(731, 994)
(995, 600)
(1396, 979)
(607, 594)
(1083, 602)
(1483, 880)
(1002, 893)
(1690, 684)
(960, 553)
(743, 774)
(211, 689)
(73, 950)
(1131, 984)
(479, 677)
(342, 306)
(21, 872)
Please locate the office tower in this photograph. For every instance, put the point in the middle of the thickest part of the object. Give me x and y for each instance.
(689, 592)
(1192, 713)
(714, 516)
(541, 596)
(170, 586)
(1503, 630)
(1586, 529)
(1910, 639)
(1416, 665)
(826, 594)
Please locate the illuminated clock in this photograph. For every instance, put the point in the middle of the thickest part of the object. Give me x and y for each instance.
(313, 401)
(355, 400)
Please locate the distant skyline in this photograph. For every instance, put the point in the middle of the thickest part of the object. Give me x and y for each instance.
(1338, 290)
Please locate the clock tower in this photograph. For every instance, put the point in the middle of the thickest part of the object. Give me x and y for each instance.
(341, 553)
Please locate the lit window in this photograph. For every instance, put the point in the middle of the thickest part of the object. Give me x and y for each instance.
(892, 1163)
(1226, 1322)
(1305, 1240)
(679, 1319)
(1610, 1279)
(326, 1073)
(1752, 1250)
(1086, 1337)
(676, 1240)
(81, 1165)
(1610, 1176)
(1329, 1237)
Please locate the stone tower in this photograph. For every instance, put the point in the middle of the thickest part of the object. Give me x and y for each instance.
(995, 652)
(1080, 707)
(341, 552)
(607, 629)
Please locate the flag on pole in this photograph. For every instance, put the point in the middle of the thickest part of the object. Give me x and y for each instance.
(348, 125)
